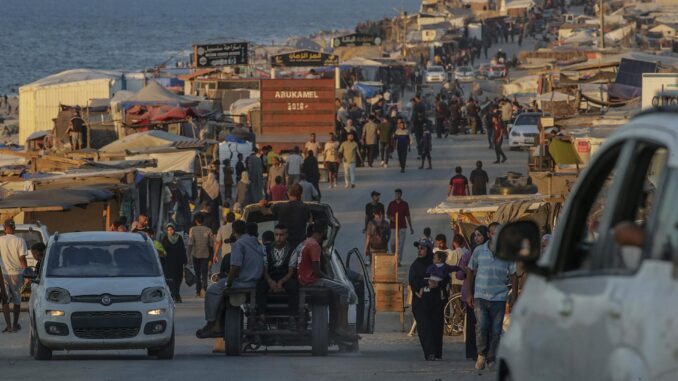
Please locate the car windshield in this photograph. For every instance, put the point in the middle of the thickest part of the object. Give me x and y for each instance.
(102, 259)
(465, 69)
(527, 120)
(435, 69)
(30, 236)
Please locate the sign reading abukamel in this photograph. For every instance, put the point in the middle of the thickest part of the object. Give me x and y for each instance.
(226, 54)
(304, 58)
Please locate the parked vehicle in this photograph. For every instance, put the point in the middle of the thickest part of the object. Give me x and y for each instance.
(100, 290)
(583, 313)
(464, 74)
(497, 71)
(483, 70)
(241, 332)
(435, 74)
(524, 131)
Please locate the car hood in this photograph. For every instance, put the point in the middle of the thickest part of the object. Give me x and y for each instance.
(98, 286)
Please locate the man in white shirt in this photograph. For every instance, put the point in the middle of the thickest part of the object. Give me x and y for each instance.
(293, 167)
(12, 261)
(331, 156)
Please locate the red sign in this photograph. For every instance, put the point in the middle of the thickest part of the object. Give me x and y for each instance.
(583, 147)
(297, 106)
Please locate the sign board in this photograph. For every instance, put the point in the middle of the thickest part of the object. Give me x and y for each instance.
(385, 267)
(226, 54)
(659, 89)
(297, 106)
(583, 147)
(356, 39)
(390, 296)
(304, 58)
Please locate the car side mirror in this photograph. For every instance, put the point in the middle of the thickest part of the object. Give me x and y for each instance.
(519, 241)
(31, 274)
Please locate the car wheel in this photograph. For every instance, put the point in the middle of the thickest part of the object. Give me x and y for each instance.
(165, 352)
(319, 330)
(233, 330)
(38, 351)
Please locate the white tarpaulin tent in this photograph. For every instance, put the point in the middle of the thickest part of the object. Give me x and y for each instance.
(183, 161)
(155, 94)
(147, 139)
(527, 84)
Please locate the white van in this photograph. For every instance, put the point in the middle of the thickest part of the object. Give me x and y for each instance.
(600, 303)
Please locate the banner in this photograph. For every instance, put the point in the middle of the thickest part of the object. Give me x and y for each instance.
(304, 58)
(356, 39)
(227, 54)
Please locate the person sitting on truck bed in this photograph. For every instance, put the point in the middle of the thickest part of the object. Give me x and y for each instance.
(294, 214)
(310, 274)
(279, 274)
(246, 268)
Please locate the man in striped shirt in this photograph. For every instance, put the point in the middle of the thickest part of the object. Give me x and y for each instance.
(488, 294)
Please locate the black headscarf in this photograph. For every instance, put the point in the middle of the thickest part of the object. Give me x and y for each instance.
(484, 231)
(418, 270)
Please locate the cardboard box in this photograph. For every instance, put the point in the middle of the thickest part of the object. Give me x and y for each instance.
(390, 296)
(384, 267)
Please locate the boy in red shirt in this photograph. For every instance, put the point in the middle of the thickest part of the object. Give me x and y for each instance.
(310, 274)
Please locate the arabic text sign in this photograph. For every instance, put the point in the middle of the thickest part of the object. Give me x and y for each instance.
(304, 58)
(356, 39)
(227, 54)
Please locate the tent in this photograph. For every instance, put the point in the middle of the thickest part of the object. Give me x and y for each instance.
(49, 200)
(147, 139)
(155, 94)
(360, 62)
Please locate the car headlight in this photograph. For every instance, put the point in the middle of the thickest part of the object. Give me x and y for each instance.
(515, 133)
(152, 294)
(58, 295)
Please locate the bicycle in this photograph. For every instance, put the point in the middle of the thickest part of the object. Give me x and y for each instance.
(455, 313)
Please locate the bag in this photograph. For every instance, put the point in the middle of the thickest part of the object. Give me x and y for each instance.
(380, 237)
(189, 276)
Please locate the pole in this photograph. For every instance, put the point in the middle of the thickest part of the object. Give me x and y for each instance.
(602, 25)
(396, 242)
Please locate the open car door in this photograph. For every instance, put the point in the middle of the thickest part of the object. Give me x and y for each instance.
(357, 273)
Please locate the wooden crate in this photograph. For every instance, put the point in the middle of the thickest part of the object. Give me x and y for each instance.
(390, 296)
(384, 267)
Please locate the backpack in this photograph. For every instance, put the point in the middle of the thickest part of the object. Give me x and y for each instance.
(381, 236)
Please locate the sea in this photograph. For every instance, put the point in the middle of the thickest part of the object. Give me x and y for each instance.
(43, 37)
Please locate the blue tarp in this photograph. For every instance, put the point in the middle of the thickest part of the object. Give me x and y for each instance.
(366, 90)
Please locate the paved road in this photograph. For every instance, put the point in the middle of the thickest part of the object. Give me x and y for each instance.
(388, 354)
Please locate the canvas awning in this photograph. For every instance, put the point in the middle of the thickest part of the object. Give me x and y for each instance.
(183, 161)
(155, 94)
(146, 139)
(48, 200)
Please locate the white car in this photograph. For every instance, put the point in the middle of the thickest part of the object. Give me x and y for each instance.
(600, 302)
(524, 132)
(100, 290)
(435, 74)
(464, 74)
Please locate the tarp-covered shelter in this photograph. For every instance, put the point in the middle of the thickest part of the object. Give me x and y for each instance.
(147, 139)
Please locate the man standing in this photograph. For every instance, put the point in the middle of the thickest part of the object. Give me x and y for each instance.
(371, 207)
(402, 143)
(312, 145)
(310, 274)
(479, 180)
(441, 116)
(498, 139)
(294, 214)
(279, 274)
(246, 268)
(200, 244)
(76, 127)
(488, 294)
(370, 139)
(13, 261)
(331, 156)
(293, 166)
(418, 121)
(349, 153)
(140, 224)
(458, 184)
(472, 115)
(399, 210)
(222, 244)
(385, 136)
(506, 112)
